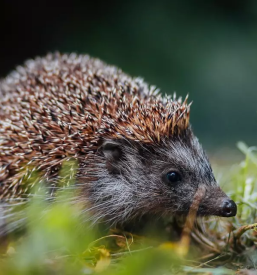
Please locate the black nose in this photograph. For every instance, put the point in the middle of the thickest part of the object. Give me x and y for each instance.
(228, 209)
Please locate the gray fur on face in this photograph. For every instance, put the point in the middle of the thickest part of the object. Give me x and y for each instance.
(129, 179)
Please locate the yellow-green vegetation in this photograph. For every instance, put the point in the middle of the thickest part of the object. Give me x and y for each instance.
(56, 241)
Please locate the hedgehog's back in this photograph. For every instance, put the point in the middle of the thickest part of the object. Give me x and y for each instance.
(62, 106)
(52, 109)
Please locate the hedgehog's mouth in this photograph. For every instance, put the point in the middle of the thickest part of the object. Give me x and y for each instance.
(227, 208)
(222, 208)
(212, 201)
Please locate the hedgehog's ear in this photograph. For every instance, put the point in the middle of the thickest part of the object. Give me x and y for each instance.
(112, 150)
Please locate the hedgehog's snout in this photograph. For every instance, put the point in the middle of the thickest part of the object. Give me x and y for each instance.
(217, 203)
(228, 209)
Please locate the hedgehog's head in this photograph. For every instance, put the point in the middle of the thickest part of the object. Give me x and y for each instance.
(160, 177)
(163, 178)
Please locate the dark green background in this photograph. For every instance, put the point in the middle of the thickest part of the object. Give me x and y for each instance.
(207, 49)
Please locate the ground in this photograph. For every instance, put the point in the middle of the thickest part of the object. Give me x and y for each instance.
(56, 242)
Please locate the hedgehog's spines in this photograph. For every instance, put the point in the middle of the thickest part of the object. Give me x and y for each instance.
(63, 105)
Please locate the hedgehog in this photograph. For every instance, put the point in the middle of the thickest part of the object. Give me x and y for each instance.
(135, 149)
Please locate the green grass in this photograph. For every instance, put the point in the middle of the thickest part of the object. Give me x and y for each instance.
(57, 242)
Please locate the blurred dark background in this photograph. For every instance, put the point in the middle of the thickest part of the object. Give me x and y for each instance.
(207, 49)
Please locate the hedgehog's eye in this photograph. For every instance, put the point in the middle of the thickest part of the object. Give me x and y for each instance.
(173, 177)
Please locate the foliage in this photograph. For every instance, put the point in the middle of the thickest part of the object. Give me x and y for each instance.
(56, 241)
